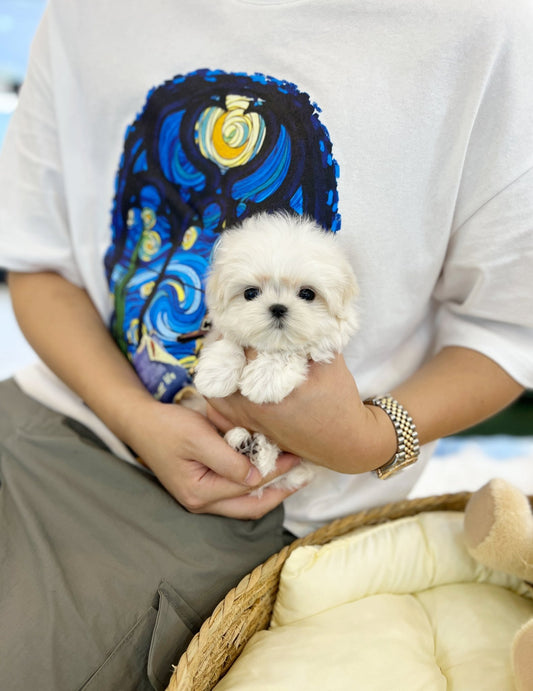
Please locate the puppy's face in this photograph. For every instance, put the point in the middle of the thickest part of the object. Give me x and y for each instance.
(274, 313)
(281, 285)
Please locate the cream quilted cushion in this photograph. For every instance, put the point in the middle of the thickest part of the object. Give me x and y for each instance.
(397, 607)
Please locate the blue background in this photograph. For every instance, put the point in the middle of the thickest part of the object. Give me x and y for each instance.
(18, 22)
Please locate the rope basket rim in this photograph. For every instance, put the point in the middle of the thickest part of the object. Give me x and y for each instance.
(247, 607)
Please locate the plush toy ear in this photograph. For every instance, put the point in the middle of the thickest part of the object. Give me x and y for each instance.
(479, 517)
(499, 529)
(499, 534)
(522, 657)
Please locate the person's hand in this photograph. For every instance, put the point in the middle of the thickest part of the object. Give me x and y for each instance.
(197, 467)
(323, 420)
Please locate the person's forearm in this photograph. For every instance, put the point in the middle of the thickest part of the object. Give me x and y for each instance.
(62, 325)
(455, 390)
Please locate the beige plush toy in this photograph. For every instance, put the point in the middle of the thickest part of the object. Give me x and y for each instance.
(499, 534)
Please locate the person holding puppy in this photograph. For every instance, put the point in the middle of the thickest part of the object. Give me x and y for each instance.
(405, 130)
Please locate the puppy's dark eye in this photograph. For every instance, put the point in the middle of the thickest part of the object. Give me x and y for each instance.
(307, 294)
(251, 293)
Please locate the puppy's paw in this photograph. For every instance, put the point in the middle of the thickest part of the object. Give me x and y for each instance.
(272, 376)
(260, 450)
(219, 369)
(263, 454)
(240, 440)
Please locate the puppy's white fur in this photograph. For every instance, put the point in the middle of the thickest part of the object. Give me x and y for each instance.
(281, 285)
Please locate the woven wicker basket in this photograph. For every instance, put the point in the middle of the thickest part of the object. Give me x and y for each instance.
(248, 607)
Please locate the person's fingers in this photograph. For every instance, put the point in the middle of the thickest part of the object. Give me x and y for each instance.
(205, 487)
(204, 490)
(221, 480)
(250, 506)
(219, 457)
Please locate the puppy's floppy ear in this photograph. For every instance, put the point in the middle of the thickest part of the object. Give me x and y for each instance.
(347, 314)
(340, 299)
(346, 291)
(216, 293)
(216, 289)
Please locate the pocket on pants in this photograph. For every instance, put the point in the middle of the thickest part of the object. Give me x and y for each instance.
(143, 659)
(175, 625)
(125, 666)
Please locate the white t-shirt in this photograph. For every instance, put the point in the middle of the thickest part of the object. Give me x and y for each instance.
(142, 128)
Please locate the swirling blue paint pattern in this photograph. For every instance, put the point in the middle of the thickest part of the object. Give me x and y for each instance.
(209, 148)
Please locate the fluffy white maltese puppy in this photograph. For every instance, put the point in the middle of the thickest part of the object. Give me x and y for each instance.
(279, 284)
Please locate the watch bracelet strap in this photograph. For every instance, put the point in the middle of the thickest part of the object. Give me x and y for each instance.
(408, 449)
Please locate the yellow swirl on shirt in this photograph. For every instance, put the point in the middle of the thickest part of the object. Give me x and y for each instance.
(146, 289)
(178, 289)
(132, 331)
(150, 245)
(189, 238)
(149, 218)
(230, 137)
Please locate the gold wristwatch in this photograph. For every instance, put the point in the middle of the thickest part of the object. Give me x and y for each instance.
(408, 449)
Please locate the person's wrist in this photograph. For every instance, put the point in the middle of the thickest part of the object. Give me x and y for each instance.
(133, 413)
(407, 442)
(384, 440)
(364, 440)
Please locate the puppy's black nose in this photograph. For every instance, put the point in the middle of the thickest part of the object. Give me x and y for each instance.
(278, 310)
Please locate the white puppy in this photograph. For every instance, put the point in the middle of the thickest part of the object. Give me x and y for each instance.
(281, 285)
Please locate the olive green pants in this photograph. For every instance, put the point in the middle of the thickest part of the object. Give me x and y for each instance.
(104, 578)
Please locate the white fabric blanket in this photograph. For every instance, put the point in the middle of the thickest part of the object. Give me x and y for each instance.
(399, 606)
